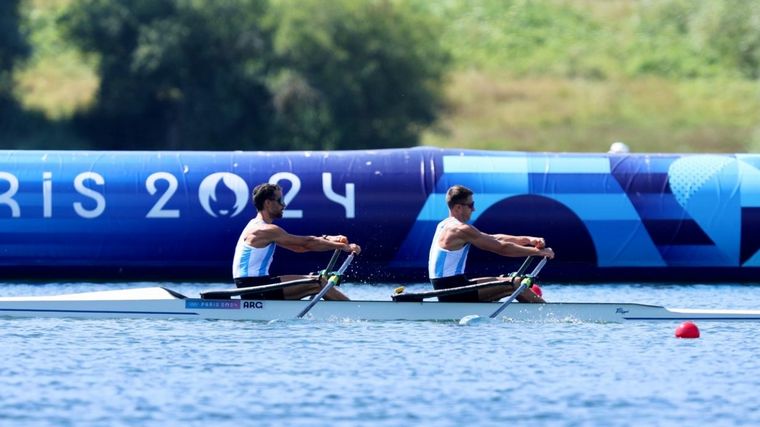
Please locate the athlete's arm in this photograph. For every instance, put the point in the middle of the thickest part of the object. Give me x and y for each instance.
(491, 243)
(537, 242)
(297, 243)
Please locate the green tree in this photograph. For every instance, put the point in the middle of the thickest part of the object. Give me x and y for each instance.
(13, 48)
(241, 74)
(355, 74)
(180, 74)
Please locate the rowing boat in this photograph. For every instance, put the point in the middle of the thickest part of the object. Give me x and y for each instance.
(163, 303)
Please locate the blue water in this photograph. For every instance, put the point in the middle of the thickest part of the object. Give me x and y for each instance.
(59, 372)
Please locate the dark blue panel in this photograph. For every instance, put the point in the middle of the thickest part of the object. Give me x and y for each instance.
(533, 216)
(676, 232)
(653, 206)
(750, 233)
(656, 183)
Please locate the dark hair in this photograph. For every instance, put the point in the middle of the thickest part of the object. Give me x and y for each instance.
(457, 194)
(264, 192)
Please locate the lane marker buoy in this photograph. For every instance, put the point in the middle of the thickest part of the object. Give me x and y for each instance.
(687, 330)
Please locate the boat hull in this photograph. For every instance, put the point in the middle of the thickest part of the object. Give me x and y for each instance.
(161, 304)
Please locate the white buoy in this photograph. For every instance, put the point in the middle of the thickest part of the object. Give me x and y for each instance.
(619, 148)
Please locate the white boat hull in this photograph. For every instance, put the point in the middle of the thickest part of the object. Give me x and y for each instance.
(160, 303)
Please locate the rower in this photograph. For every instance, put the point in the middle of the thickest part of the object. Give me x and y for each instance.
(255, 250)
(451, 244)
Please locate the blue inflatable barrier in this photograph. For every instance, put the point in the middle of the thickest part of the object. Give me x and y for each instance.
(177, 215)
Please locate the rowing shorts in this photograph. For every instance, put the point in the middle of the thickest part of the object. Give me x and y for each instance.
(245, 282)
(455, 282)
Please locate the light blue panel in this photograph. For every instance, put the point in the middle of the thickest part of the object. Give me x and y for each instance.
(596, 207)
(749, 176)
(754, 261)
(708, 188)
(486, 182)
(720, 219)
(484, 164)
(696, 256)
(716, 208)
(623, 244)
(569, 164)
(752, 159)
(434, 209)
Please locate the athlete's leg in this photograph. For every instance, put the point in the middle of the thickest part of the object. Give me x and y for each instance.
(309, 289)
(505, 289)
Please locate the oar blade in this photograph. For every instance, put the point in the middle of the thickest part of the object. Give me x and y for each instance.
(472, 320)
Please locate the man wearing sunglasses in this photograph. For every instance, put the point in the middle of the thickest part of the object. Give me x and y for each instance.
(255, 250)
(451, 243)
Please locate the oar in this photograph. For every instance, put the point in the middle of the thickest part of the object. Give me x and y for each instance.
(334, 278)
(525, 283)
(523, 267)
(331, 264)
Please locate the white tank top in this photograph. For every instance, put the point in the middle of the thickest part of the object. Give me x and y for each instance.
(443, 262)
(250, 261)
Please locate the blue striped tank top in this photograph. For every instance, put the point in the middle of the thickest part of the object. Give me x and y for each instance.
(442, 262)
(250, 261)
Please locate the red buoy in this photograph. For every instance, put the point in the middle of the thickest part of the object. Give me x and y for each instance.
(687, 330)
(537, 290)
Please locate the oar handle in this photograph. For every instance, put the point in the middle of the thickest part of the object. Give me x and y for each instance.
(538, 268)
(345, 264)
(520, 271)
(331, 264)
(332, 281)
(524, 284)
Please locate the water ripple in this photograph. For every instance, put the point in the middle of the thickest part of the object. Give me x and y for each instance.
(127, 372)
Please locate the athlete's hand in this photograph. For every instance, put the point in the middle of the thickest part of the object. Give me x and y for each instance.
(353, 247)
(337, 239)
(538, 242)
(547, 252)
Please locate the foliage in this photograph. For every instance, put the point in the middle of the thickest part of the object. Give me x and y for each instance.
(355, 74)
(176, 73)
(241, 74)
(591, 39)
(13, 45)
(13, 48)
(57, 79)
(565, 75)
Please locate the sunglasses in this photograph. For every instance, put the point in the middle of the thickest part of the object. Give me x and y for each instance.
(278, 201)
(470, 205)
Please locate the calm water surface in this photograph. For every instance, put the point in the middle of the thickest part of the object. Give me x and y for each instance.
(59, 372)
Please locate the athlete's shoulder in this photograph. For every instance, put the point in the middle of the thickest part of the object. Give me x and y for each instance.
(261, 228)
(466, 231)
